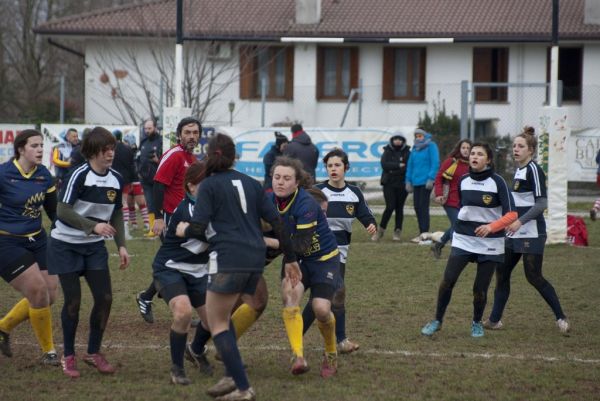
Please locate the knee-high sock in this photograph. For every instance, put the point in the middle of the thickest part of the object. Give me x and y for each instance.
(243, 318)
(144, 212)
(177, 342)
(340, 322)
(200, 339)
(308, 316)
(41, 322)
(227, 347)
(18, 314)
(327, 330)
(292, 319)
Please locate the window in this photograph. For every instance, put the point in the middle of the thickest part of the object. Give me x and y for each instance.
(274, 65)
(404, 73)
(570, 72)
(337, 72)
(490, 64)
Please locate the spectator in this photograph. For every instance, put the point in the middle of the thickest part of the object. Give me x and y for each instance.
(61, 155)
(393, 165)
(150, 153)
(596, 208)
(276, 150)
(302, 148)
(423, 166)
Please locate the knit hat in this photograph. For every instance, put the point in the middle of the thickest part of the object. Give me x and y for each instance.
(296, 127)
(280, 139)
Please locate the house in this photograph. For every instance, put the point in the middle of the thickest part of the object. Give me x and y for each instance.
(308, 55)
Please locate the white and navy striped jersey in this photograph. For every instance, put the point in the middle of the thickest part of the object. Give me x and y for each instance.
(188, 255)
(528, 185)
(344, 205)
(484, 198)
(92, 196)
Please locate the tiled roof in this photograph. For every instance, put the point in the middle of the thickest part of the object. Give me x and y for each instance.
(461, 19)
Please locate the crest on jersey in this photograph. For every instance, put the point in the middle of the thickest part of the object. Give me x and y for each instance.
(487, 199)
(516, 186)
(350, 209)
(111, 195)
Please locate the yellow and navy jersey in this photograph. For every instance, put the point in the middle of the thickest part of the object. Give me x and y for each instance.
(93, 196)
(187, 255)
(484, 198)
(343, 206)
(22, 197)
(303, 212)
(529, 184)
(232, 204)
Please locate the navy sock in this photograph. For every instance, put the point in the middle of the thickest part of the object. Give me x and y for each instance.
(340, 323)
(200, 339)
(177, 342)
(227, 346)
(308, 316)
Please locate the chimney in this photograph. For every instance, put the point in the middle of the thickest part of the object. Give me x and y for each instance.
(591, 13)
(309, 11)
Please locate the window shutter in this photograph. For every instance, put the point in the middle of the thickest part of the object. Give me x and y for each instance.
(246, 61)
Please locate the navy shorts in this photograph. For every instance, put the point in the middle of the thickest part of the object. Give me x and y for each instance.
(477, 257)
(321, 276)
(527, 245)
(233, 283)
(171, 283)
(64, 257)
(17, 254)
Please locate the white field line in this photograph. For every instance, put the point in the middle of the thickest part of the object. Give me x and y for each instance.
(419, 354)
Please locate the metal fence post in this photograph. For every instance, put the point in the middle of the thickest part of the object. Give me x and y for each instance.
(62, 99)
(263, 100)
(472, 130)
(464, 109)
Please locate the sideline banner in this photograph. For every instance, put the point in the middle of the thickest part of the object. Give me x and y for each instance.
(54, 134)
(582, 151)
(8, 132)
(363, 145)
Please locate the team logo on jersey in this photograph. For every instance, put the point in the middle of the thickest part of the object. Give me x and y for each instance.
(111, 195)
(516, 186)
(487, 199)
(350, 209)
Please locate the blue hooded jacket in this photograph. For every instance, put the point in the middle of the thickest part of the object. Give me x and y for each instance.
(423, 163)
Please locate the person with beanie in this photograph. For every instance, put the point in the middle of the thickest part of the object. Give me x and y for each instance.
(422, 168)
(302, 148)
(276, 150)
(393, 167)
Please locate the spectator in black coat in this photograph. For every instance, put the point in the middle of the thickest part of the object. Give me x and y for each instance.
(302, 148)
(276, 150)
(393, 164)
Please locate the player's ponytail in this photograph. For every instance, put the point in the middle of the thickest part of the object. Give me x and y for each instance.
(220, 154)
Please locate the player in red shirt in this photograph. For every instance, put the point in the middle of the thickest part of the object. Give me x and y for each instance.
(168, 191)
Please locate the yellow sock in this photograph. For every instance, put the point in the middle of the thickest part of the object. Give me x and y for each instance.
(18, 314)
(292, 319)
(243, 318)
(327, 330)
(41, 322)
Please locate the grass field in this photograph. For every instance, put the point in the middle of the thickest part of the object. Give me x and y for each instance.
(392, 291)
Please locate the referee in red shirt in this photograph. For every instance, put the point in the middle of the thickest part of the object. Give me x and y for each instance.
(168, 191)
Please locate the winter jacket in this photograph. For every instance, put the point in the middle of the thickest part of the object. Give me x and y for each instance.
(302, 148)
(462, 168)
(150, 145)
(423, 164)
(124, 164)
(268, 161)
(392, 173)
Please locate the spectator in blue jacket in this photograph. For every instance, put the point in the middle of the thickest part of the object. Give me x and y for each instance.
(423, 164)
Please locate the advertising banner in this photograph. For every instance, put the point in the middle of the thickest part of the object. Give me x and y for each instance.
(8, 132)
(583, 148)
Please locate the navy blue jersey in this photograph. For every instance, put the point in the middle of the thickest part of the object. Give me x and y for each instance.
(186, 255)
(22, 197)
(484, 198)
(92, 196)
(303, 212)
(344, 205)
(232, 204)
(528, 185)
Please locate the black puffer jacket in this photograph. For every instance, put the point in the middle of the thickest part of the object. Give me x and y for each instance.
(393, 163)
(302, 148)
